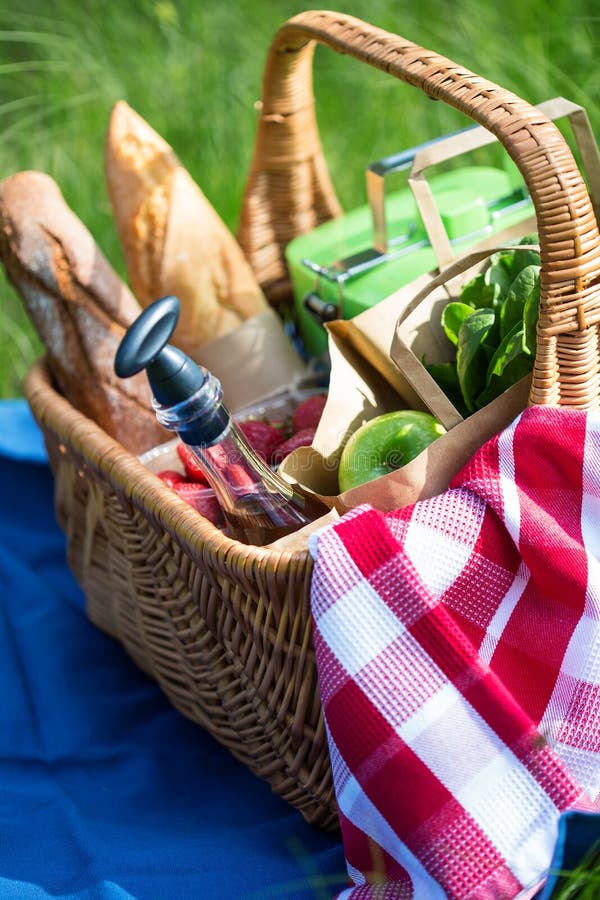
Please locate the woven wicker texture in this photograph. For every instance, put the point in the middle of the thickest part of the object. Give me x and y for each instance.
(225, 628)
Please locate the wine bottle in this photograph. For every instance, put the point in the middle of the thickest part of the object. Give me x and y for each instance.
(258, 505)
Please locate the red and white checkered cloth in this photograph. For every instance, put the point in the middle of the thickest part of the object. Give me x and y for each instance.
(458, 650)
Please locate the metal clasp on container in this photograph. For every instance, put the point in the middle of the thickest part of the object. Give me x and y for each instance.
(322, 310)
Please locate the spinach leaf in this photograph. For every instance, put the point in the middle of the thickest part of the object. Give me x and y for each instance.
(471, 354)
(524, 258)
(497, 277)
(502, 258)
(453, 316)
(493, 326)
(511, 311)
(515, 260)
(446, 377)
(477, 292)
(509, 363)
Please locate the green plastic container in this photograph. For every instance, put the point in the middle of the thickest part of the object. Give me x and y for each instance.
(336, 273)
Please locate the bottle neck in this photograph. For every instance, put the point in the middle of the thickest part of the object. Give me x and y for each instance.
(202, 418)
(258, 504)
(234, 463)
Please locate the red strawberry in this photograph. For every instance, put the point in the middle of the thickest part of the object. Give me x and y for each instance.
(302, 438)
(190, 464)
(201, 498)
(264, 438)
(239, 478)
(308, 413)
(171, 477)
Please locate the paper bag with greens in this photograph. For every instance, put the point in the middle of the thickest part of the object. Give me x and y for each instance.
(492, 325)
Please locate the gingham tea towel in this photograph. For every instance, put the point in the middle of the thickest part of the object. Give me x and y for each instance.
(458, 651)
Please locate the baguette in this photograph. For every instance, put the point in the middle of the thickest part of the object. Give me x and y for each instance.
(173, 240)
(78, 305)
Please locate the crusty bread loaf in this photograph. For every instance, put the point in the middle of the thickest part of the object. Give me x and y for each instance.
(173, 240)
(78, 305)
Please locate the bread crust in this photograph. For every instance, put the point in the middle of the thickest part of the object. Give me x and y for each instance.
(173, 240)
(78, 305)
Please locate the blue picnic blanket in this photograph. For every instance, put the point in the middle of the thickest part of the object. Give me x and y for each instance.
(105, 790)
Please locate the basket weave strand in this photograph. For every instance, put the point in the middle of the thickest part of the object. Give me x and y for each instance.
(567, 228)
(225, 628)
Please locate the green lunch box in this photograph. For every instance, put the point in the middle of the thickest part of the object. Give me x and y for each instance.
(348, 264)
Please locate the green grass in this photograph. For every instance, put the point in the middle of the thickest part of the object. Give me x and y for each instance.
(583, 882)
(194, 71)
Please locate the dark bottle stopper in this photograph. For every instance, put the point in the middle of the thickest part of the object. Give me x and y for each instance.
(174, 377)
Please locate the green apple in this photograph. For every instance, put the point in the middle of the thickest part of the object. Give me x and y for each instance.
(385, 443)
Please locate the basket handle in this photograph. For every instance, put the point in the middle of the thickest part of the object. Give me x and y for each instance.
(289, 191)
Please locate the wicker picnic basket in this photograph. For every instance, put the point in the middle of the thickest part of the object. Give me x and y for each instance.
(224, 628)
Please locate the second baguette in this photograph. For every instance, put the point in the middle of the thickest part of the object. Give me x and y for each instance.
(173, 240)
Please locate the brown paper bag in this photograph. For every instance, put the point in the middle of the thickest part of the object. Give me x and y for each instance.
(369, 377)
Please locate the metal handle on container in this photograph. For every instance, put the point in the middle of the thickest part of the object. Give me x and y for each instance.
(398, 162)
(431, 153)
